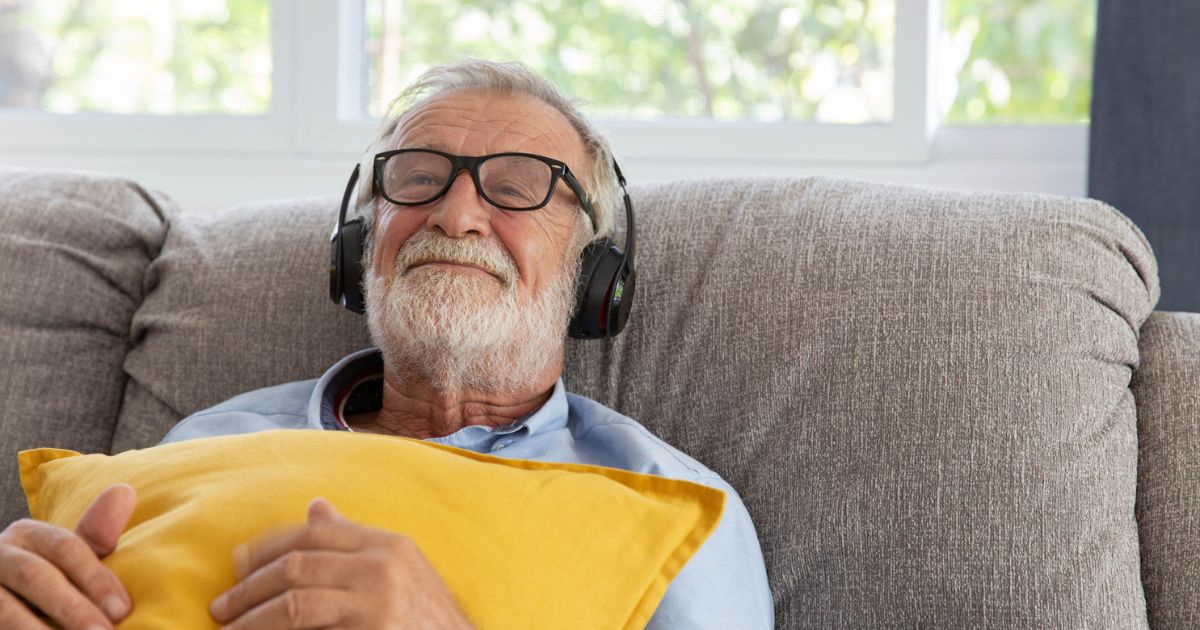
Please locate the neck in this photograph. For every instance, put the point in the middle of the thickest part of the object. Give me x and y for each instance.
(414, 407)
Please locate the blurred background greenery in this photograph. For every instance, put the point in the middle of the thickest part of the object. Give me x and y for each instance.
(1017, 61)
(827, 60)
(126, 56)
(999, 61)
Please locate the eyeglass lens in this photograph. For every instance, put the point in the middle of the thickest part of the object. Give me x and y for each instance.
(511, 181)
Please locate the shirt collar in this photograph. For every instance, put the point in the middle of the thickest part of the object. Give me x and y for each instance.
(364, 363)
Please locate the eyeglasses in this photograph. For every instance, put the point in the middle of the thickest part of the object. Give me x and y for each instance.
(512, 181)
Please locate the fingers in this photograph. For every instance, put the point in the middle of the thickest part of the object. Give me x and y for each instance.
(294, 570)
(250, 556)
(58, 570)
(43, 585)
(105, 519)
(71, 557)
(16, 615)
(297, 608)
(327, 531)
(321, 510)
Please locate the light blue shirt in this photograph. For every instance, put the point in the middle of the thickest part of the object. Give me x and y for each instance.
(723, 586)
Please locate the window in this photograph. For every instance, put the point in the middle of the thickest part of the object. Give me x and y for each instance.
(120, 76)
(129, 57)
(774, 61)
(854, 87)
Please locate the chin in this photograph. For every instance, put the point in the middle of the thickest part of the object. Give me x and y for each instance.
(467, 331)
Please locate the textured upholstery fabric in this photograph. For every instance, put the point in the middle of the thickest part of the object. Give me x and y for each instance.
(238, 300)
(1167, 388)
(73, 249)
(922, 395)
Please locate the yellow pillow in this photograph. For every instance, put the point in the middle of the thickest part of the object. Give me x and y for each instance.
(522, 544)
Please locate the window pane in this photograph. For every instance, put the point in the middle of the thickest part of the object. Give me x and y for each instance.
(768, 60)
(133, 57)
(1017, 61)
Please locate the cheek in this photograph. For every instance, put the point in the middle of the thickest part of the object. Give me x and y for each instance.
(538, 251)
(392, 229)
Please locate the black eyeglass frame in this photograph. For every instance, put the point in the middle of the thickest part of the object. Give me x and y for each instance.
(558, 170)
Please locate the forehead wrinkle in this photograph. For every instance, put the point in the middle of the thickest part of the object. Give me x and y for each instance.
(544, 136)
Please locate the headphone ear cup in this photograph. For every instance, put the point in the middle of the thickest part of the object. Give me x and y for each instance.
(349, 272)
(620, 299)
(602, 264)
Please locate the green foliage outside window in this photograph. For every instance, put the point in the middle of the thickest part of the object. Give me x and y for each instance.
(1018, 61)
(1000, 61)
(827, 60)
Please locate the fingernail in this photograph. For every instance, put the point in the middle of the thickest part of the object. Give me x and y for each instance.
(114, 607)
(217, 607)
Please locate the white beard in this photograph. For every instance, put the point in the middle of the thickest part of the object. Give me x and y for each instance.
(467, 330)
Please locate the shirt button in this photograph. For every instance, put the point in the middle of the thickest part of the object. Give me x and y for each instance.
(501, 444)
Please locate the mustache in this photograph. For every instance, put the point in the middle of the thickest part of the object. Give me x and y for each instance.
(424, 247)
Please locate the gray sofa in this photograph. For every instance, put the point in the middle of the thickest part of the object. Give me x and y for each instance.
(943, 409)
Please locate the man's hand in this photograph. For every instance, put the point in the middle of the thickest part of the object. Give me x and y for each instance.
(334, 572)
(59, 571)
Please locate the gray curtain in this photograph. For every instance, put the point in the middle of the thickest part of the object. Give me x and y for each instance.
(1145, 136)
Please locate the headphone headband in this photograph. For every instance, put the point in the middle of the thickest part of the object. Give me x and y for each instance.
(630, 245)
(340, 290)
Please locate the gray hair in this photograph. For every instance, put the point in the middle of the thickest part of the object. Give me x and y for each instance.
(599, 181)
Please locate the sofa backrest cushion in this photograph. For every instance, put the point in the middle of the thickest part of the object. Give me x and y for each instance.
(239, 300)
(922, 395)
(73, 248)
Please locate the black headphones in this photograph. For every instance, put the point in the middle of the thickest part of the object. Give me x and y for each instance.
(604, 294)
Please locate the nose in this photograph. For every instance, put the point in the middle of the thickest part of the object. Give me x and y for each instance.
(462, 211)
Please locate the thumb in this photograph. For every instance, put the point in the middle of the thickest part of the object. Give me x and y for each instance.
(105, 519)
(321, 510)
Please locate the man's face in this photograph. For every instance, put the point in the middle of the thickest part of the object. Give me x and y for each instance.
(472, 123)
(468, 294)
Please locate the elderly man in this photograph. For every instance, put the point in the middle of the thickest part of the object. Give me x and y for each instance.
(477, 220)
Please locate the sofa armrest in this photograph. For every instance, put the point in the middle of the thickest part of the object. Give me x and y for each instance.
(1167, 389)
